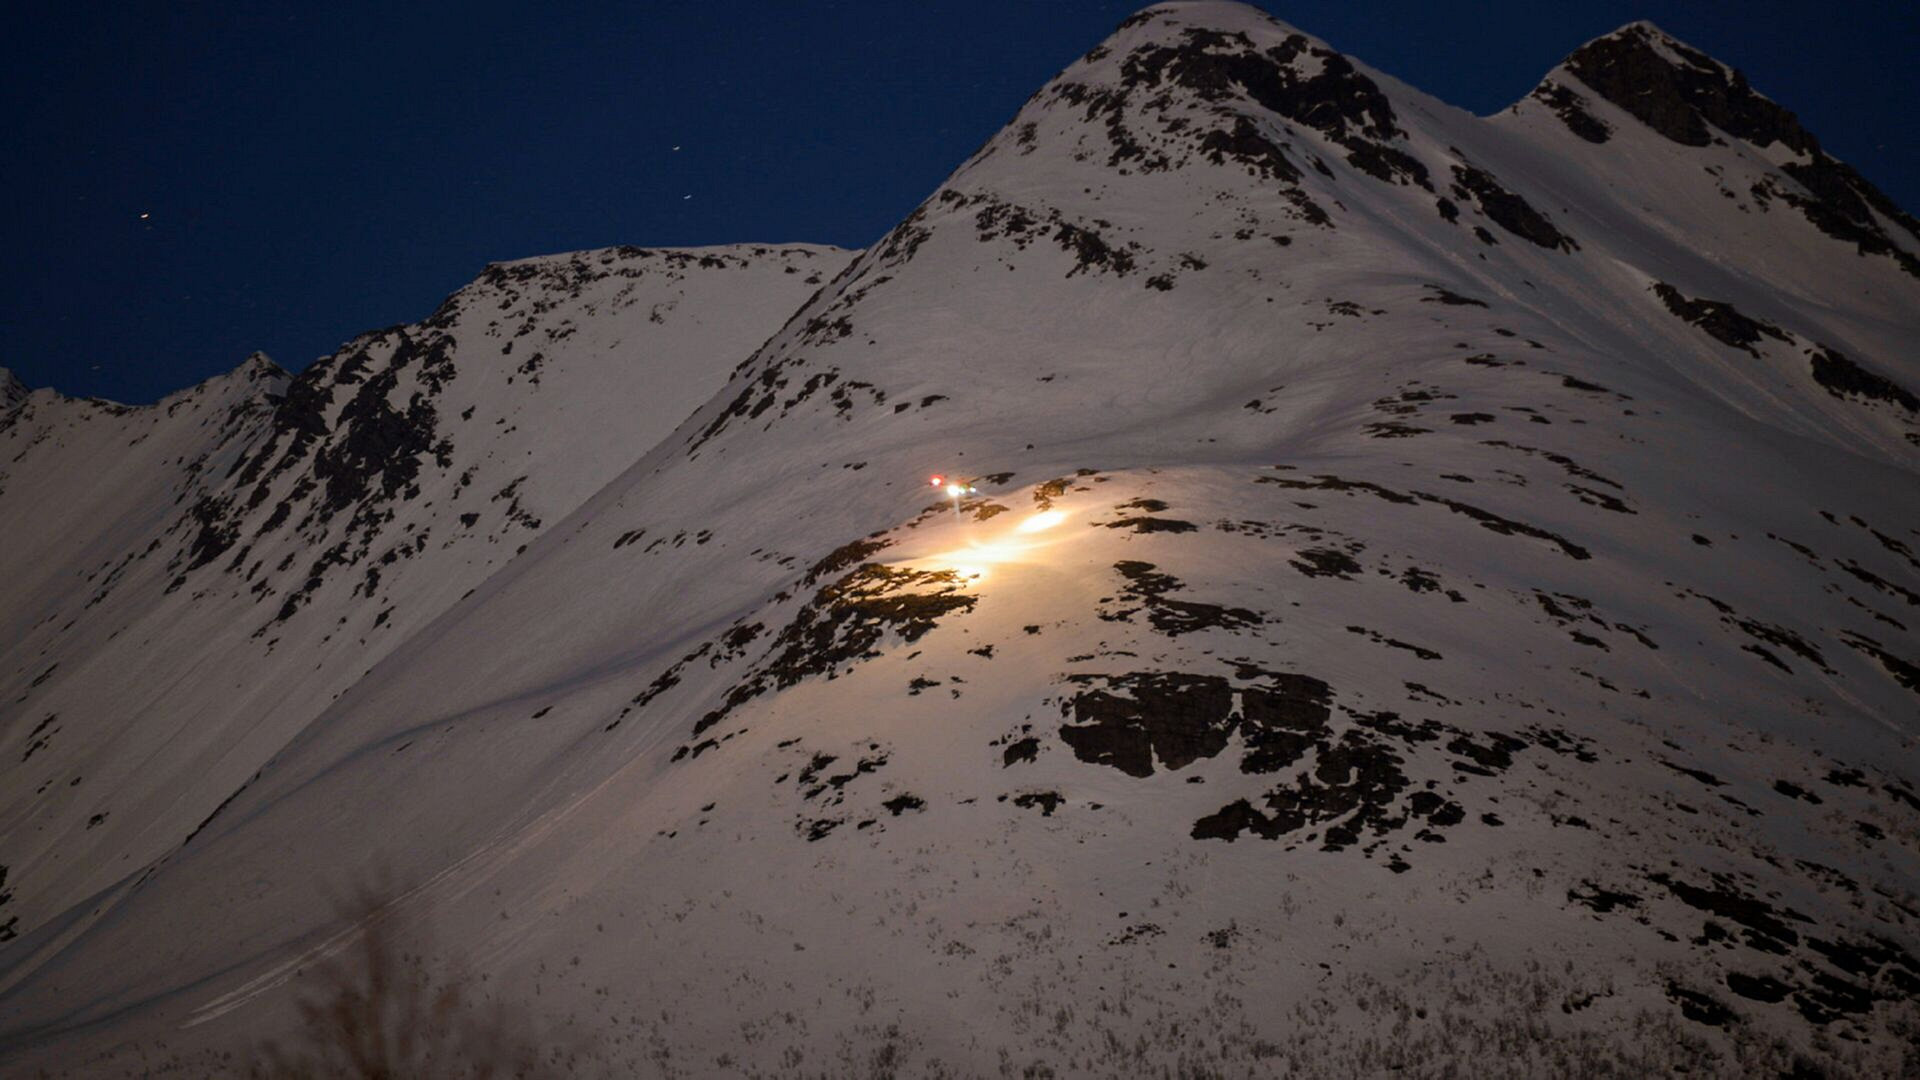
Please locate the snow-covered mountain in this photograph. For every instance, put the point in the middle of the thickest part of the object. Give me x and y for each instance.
(1440, 588)
(187, 585)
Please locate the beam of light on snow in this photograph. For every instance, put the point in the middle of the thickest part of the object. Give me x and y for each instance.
(1042, 521)
(978, 557)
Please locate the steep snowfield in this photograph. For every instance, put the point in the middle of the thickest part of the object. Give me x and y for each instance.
(1440, 590)
(186, 585)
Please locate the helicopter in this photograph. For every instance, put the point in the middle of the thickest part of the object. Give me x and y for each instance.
(955, 489)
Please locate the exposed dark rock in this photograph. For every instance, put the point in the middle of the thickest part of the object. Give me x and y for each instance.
(1495, 756)
(1487, 519)
(217, 532)
(1701, 775)
(1231, 820)
(1572, 383)
(1325, 562)
(1571, 108)
(1091, 250)
(902, 803)
(1602, 899)
(1839, 205)
(1393, 429)
(375, 449)
(1904, 672)
(1832, 998)
(1496, 523)
(1862, 573)
(1762, 988)
(1444, 295)
(1023, 750)
(1795, 791)
(1045, 493)
(1147, 588)
(844, 623)
(1781, 637)
(1720, 320)
(842, 557)
(1679, 92)
(1354, 784)
(1334, 483)
(1509, 211)
(1764, 925)
(1282, 720)
(1701, 1008)
(1047, 801)
(1245, 143)
(7, 928)
(1600, 499)
(1152, 524)
(1843, 378)
(1335, 99)
(1418, 580)
(1572, 467)
(1129, 721)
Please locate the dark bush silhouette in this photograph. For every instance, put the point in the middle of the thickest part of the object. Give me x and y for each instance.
(380, 1010)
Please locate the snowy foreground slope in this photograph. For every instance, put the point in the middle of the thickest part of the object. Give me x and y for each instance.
(1441, 591)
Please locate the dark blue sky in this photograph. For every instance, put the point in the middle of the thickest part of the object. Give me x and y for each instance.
(312, 171)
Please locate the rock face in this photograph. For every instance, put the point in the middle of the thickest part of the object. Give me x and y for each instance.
(1687, 96)
(12, 391)
(1680, 93)
(1407, 572)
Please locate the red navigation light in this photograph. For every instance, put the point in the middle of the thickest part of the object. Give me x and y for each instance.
(937, 481)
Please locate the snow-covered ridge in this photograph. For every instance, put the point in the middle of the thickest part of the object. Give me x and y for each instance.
(1431, 578)
(1688, 97)
(387, 479)
(1247, 127)
(12, 390)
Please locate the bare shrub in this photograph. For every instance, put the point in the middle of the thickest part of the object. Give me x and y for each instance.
(380, 1009)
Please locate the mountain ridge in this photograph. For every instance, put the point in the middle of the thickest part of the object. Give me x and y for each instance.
(1355, 596)
(1684, 94)
(331, 483)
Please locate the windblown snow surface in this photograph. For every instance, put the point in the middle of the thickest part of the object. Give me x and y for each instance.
(1440, 597)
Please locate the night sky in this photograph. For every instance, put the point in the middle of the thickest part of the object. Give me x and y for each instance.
(185, 183)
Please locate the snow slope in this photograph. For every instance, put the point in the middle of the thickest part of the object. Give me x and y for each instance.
(1441, 590)
(186, 585)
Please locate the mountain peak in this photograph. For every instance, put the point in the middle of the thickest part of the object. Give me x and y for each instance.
(1689, 98)
(1218, 14)
(1215, 82)
(1648, 30)
(245, 378)
(12, 390)
(1679, 91)
(258, 366)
